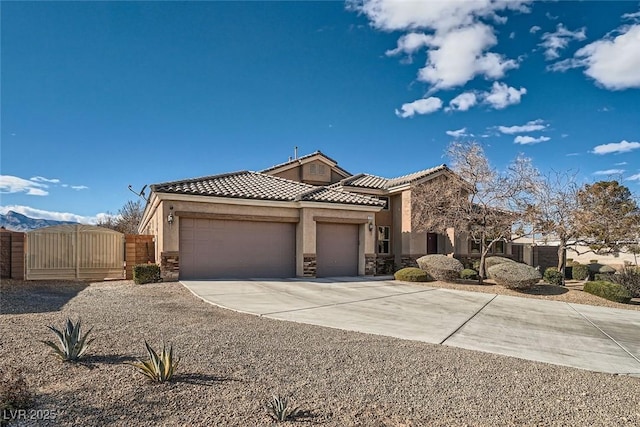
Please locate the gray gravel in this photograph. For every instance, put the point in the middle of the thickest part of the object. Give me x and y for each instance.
(232, 362)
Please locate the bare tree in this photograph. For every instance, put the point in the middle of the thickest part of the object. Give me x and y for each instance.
(475, 200)
(127, 219)
(552, 210)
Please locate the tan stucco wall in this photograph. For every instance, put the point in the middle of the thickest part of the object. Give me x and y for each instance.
(292, 174)
(167, 236)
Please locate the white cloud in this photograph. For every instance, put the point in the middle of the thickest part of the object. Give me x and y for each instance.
(420, 106)
(14, 184)
(534, 29)
(530, 126)
(455, 34)
(79, 187)
(463, 102)
(635, 177)
(501, 95)
(526, 139)
(43, 179)
(58, 216)
(632, 16)
(410, 43)
(613, 62)
(559, 40)
(616, 147)
(458, 56)
(610, 172)
(457, 133)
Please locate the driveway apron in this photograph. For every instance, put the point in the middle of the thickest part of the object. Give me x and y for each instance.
(593, 338)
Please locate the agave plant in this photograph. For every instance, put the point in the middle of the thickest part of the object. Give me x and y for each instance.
(279, 410)
(72, 345)
(159, 367)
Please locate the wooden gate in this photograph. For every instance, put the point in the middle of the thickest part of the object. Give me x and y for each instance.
(74, 252)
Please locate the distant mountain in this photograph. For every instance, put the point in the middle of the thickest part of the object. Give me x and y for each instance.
(18, 222)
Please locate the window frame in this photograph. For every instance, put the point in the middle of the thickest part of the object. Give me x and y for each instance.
(386, 239)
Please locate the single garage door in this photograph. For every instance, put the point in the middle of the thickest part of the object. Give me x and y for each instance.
(212, 249)
(336, 249)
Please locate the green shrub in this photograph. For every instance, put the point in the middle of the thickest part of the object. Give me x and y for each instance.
(553, 277)
(628, 278)
(160, 367)
(608, 290)
(14, 392)
(469, 274)
(146, 273)
(412, 274)
(72, 345)
(279, 409)
(579, 272)
(441, 267)
(514, 275)
(596, 268)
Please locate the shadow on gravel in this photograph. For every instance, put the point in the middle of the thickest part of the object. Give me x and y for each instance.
(546, 290)
(114, 359)
(201, 379)
(21, 297)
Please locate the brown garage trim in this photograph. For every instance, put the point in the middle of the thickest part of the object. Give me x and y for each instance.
(340, 220)
(232, 217)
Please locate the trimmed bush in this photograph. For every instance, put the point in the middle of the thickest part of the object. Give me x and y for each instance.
(579, 272)
(596, 268)
(514, 275)
(146, 273)
(412, 274)
(495, 260)
(469, 274)
(553, 277)
(608, 290)
(441, 267)
(628, 278)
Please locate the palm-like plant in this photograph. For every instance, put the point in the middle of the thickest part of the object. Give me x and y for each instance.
(160, 367)
(279, 410)
(72, 345)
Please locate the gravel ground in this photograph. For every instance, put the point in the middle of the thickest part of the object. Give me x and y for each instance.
(232, 362)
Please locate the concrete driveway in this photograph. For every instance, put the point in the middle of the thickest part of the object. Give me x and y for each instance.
(593, 338)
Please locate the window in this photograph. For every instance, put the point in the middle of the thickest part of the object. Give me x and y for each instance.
(384, 239)
(386, 202)
(497, 249)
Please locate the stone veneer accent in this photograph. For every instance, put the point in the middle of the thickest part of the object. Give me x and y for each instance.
(309, 266)
(169, 266)
(370, 265)
(385, 265)
(409, 260)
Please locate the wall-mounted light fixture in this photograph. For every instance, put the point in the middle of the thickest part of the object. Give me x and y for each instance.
(370, 219)
(170, 216)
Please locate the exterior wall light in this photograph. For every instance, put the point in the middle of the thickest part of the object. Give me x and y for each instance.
(370, 219)
(170, 216)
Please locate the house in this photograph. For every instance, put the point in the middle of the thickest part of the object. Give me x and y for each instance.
(306, 217)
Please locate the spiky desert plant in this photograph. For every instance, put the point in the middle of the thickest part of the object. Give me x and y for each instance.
(160, 367)
(279, 410)
(72, 345)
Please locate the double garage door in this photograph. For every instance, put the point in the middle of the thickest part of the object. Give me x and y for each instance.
(211, 249)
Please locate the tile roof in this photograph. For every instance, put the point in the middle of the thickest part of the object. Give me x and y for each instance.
(259, 186)
(364, 180)
(405, 179)
(306, 156)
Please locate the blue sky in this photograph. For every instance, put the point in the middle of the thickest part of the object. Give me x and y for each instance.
(100, 95)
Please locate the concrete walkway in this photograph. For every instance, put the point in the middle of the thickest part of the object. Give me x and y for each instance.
(593, 338)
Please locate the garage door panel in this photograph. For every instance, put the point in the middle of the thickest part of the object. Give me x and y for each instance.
(336, 249)
(236, 249)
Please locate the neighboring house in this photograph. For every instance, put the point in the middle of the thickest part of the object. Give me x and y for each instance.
(307, 217)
